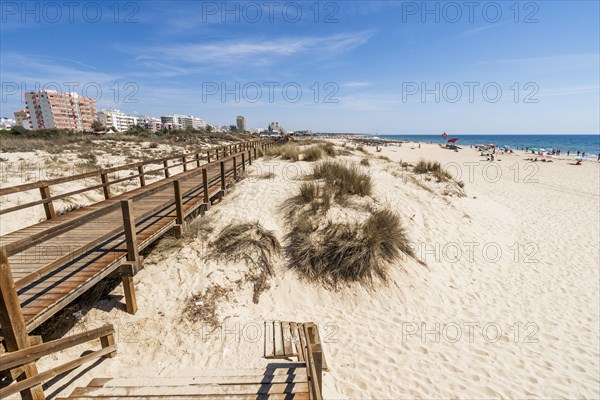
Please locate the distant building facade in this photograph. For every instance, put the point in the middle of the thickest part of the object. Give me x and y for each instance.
(176, 121)
(150, 123)
(240, 122)
(22, 118)
(117, 119)
(6, 123)
(51, 109)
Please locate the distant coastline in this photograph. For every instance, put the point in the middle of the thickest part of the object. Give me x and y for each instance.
(586, 143)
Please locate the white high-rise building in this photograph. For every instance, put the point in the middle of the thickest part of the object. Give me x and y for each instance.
(177, 121)
(117, 119)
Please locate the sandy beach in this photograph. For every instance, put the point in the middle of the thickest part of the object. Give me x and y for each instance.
(501, 298)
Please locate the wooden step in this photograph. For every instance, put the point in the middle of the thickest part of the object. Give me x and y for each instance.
(299, 376)
(192, 390)
(287, 396)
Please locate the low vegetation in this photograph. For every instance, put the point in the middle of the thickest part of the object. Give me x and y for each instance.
(203, 307)
(343, 180)
(433, 167)
(312, 153)
(365, 162)
(342, 253)
(253, 244)
(70, 208)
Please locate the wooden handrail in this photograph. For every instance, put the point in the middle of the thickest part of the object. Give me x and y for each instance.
(37, 274)
(47, 375)
(36, 238)
(91, 174)
(30, 354)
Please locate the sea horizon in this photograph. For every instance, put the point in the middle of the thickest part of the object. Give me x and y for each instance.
(574, 142)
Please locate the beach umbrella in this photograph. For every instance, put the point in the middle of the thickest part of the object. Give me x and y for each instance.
(579, 158)
(452, 140)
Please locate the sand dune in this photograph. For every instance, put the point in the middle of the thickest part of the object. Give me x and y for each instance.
(506, 305)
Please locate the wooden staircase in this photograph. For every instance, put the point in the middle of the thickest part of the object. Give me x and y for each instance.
(276, 381)
(300, 379)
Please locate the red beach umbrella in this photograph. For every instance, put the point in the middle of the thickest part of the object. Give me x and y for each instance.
(452, 140)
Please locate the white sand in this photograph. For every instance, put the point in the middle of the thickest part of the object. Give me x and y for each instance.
(544, 297)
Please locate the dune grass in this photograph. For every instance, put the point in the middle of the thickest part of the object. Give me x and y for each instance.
(312, 153)
(343, 180)
(342, 253)
(433, 167)
(365, 162)
(254, 245)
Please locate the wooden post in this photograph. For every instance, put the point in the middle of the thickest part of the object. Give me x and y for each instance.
(244, 162)
(13, 325)
(142, 177)
(255, 153)
(49, 206)
(179, 219)
(235, 168)
(106, 341)
(133, 254)
(184, 161)
(249, 157)
(197, 159)
(217, 153)
(166, 165)
(105, 187)
(208, 156)
(223, 176)
(205, 186)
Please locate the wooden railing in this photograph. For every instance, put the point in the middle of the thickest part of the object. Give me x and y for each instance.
(21, 356)
(313, 357)
(182, 160)
(30, 381)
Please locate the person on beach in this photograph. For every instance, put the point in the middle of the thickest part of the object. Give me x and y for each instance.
(568, 152)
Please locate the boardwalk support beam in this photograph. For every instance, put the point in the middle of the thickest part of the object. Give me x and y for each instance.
(133, 256)
(179, 218)
(205, 188)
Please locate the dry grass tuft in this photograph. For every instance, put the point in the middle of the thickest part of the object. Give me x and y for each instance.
(365, 162)
(69, 208)
(423, 167)
(199, 228)
(343, 180)
(345, 253)
(330, 150)
(267, 175)
(312, 153)
(288, 151)
(253, 244)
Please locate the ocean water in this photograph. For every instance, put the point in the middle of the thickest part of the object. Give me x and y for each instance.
(588, 144)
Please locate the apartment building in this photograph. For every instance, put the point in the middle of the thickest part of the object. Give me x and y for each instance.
(52, 109)
(240, 122)
(176, 121)
(22, 118)
(117, 119)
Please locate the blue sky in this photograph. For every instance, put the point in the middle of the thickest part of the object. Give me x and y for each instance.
(352, 66)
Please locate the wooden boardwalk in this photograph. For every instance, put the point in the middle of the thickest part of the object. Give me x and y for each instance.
(55, 261)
